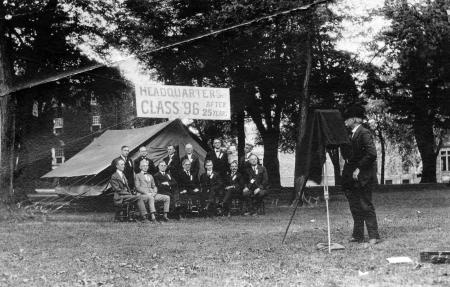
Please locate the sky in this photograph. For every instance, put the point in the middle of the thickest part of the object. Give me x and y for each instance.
(353, 40)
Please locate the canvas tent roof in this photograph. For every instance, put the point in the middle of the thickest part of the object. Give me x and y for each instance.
(96, 158)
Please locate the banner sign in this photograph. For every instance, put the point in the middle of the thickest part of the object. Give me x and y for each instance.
(204, 103)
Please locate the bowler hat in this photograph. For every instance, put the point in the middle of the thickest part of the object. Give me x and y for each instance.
(354, 111)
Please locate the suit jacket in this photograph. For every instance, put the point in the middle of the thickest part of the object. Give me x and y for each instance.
(195, 164)
(143, 185)
(151, 165)
(188, 183)
(363, 156)
(211, 183)
(173, 166)
(237, 181)
(257, 180)
(164, 189)
(128, 171)
(221, 165)
(120, 187)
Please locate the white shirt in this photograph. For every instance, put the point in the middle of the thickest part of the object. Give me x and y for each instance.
(122, 176)
(354, 130)
(189, 156)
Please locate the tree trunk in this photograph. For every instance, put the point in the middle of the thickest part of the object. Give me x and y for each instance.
(271, 162)
(383, 155)
(304, 106)
(423, 133)
(240, 124)
(6, 118)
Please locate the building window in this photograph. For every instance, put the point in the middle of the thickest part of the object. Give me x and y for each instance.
(96, 125)
(58, 124)
(405, 181)
(388, 181)
(445, 157)
(57, 156)
(93, 100)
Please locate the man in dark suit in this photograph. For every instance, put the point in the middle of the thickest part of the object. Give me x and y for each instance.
(172, 161)
(122, 191)
(129, 167)
(211, 186)
(219, 159)
(189, 188)
(359, 176)
(233, 187)
(256, 184)
(144, 155)
(243, 160)
(166, 184)
(195, 162)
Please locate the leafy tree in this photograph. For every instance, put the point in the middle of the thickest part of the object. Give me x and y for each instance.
(260, 62)
(416, 47)
(40, 39)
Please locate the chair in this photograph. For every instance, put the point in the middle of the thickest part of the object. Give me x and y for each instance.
(125, 212)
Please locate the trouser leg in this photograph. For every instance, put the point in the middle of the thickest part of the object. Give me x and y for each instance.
(368, 211)
(165, 199)
(139, 201)
(227, 199)
(354, 201)
(248, 200)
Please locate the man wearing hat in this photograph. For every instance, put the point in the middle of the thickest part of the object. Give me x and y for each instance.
(360, 176)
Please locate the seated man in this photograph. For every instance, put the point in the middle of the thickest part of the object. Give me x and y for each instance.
(122, 192)
(233, 187)
(257, 183)
(188, 186)
(145, 185)
(211, 186)
(166, 184)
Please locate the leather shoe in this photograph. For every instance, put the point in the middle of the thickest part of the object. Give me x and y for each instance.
(165, 219)
(355, 240)
(374, 241)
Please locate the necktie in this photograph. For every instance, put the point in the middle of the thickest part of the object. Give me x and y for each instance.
(163, 173)
(188, 173)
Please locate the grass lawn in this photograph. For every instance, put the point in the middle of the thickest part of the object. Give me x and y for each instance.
(90, 250)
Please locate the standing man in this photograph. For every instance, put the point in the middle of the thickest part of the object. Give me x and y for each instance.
(145, 185)
(129, 168)
(233, 186)
(257, 184)
(243, 160)
(143, 154)
(211, 185)
(359, 176)
(195, 162)
(219, 159)
(172, 161)
(122, 191)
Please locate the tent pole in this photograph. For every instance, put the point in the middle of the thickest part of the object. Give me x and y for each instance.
(326, 196)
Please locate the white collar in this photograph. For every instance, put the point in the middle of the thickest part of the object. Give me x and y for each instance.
(123, 158)
(217, 150)
(355, 128)
(120, 173)
(248, 154)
